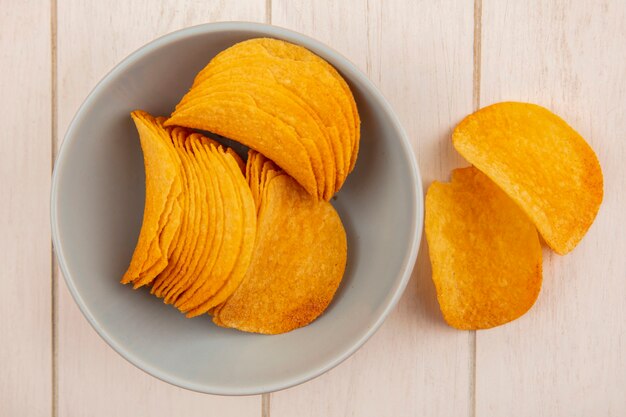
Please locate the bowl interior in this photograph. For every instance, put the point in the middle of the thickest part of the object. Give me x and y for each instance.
(98, 195)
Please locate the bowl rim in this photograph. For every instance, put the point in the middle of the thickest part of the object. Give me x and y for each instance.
(416, 224)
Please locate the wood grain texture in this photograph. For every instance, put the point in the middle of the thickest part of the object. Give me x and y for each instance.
(93, 380)
(25, 164)
(567, 356)
(420, 55)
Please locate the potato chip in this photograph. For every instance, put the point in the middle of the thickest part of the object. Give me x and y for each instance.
(321, 109)
(210, 225)
(163, 188)
(156, 258)
(285, 106)
(484, 250)
(221, 287)
(238, 160)
(298, 110)
(212, 220)
(297, 262)
(247, 53)
(543, 164)
(166, 237)
(168, 276)
(222, 114)
(170, 219)
(202, 212)
(231, 259)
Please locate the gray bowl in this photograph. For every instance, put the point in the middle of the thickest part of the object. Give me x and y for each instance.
(97, 206)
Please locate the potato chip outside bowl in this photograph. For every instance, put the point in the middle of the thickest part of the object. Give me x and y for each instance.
(97, 205)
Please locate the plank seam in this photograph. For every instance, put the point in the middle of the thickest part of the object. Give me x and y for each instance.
(478, 10)
(265, 405)
(472, 384)
(268, 11)
(54, 139)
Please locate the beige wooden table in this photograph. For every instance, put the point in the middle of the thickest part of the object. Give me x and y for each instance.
(436, 61)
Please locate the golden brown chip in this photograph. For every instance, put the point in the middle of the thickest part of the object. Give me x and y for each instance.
(170, 220)
(299, 112)
(210, 229)
(290, 110)
(156, 258)
(203, 212)
(222, 114)
(230, 260)
(220, 287)
(238, 160)
(322, 118)
(297, 263)
(188, 225)
(485, 252)
(166, 237)
(543, 164)
(247, 54)
(163, 188)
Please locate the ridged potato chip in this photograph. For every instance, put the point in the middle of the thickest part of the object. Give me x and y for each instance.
(170, 278)
(162, 212)
(273, 99)
(221, 290)
(299, 112)
(278, 140)
(252, 56)
(232, 258)
(543, 164)
(298, 259)
(212, 224)
(186, 234)
(208, 213)
(484, 250)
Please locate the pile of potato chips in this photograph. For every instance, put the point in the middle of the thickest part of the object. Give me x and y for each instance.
(532, 175)
(254, 244)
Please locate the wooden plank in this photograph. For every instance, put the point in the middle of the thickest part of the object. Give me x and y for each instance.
(92, 38)
(420, 55)
(566, 356)
(25, 163)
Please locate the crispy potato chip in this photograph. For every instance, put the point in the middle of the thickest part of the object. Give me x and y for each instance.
(297, 263)
(216, 229)
(210, 229)
(485, 252)
(170, 220)
(156, 258)
(221, 287)
(163, 188)
(167, 235)
(286, 107)
(222, 198)
(247, 53)
(543, 164)
(202, 222)
(321, 109)
(232, 257)
(164, 280)
(238, 160)
(222, 114)
(299, 112)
